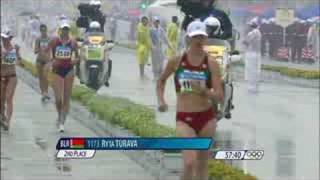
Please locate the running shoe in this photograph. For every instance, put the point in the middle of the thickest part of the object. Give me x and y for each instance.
(47, 98)
(61, 128)
(43, 99)
(4, 123)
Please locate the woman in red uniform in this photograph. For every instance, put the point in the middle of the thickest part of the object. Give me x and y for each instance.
(10, 56)
(63, 47)
(197, 79)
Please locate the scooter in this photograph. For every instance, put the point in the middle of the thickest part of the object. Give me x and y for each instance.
(95, 65)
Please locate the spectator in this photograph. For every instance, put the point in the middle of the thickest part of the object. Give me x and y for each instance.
(290, 35)
(173, 36)
(298, 41)
(314, 39)
(113, 28)
(143, 44)
(305, 55)
(264, 29)
(278, 40)
(158, 36)
(253, 56)
(272, 38)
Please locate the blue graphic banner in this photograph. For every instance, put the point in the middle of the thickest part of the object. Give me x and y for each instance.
(135, 143)
(193, 75)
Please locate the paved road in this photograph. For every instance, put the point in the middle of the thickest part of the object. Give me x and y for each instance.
(283, 120)
(27, 151)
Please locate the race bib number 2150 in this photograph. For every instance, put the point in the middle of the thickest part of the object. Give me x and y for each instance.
(63, 52)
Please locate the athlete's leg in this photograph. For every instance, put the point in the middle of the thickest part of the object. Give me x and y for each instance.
(141, 68)
(3, 87)
(68, 84)
(202, 157)
(189, 157)
(40, 73)
(11, 87)
(57, 86)
(45, 79)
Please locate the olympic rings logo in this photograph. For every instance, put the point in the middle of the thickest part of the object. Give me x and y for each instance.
(254, 155)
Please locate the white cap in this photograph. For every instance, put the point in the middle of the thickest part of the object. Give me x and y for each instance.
(6, 34)
(196, 28)
(65, 24)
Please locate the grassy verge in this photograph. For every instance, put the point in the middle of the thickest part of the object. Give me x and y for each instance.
(140, 120)
(290, 72)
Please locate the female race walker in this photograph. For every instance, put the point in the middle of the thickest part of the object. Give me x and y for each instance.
(43, 57)
(197, 80)
(63, 47)
(10, 56)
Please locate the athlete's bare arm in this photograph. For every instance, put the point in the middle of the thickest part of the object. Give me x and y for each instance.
(51, 47)
(76, 53)
(19, 56)
(37, 46)
(216, 92)
(168, 71)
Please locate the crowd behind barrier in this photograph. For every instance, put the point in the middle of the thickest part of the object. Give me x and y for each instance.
(298, 42)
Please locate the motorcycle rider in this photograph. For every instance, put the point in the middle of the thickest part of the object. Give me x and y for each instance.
(96, 14)
(95, 29)
(204, 9)
(213, 27)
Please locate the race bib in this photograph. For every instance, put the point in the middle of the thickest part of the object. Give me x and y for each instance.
(44, 44)
(186, 78)
(63, 52)
(10, 58)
